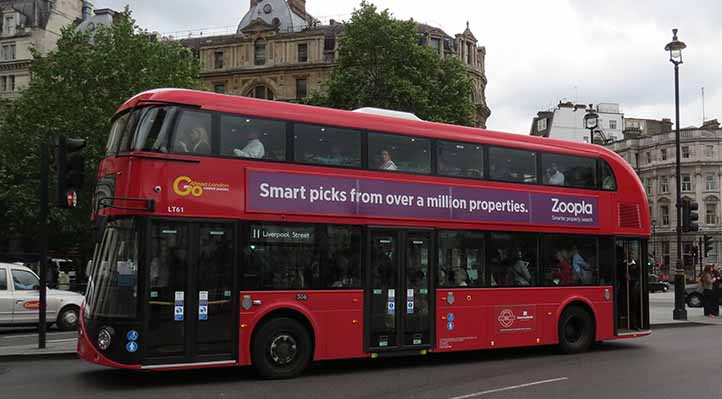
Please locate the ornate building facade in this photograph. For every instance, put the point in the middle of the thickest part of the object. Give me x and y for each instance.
(26, 24)
(649, 146)
(280, 52)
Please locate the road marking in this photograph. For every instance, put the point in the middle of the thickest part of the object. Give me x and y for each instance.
(63, 340)
(529, 384)
(35, 335)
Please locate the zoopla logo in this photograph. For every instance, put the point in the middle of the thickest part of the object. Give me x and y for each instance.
(572, 207)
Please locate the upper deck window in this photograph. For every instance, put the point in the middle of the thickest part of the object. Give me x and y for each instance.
(569, 171)
(459, 159)
(253, 138)
(399, 153)
(512, 165)
(115, 133)
(153, 129)
(192, 134)
(327, 145)
(608, 180)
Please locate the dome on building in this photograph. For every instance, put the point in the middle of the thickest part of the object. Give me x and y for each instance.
(272, 14)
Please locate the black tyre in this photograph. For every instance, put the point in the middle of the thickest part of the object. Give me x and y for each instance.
(281, 348)
(576, 330)
(68, 318)
(695, 300)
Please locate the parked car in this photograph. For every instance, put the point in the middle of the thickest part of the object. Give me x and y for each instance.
(654, 284)
(20, 300)
(694, 296)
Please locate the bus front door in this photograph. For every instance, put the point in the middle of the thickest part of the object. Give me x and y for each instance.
(398, 290)
(631, 296)
(190, 300)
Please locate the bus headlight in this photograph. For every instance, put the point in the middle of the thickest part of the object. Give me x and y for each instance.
(104, 338)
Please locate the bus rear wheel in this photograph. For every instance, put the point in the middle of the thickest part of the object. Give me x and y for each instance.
(281, 348)
(576, 330)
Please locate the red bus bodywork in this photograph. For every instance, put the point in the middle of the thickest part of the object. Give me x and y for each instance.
(337, 317)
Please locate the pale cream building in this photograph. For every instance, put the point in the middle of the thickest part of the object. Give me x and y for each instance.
(280, 52)
(26, 24)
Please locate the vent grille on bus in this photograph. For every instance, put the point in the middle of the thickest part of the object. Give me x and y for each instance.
(629, 216)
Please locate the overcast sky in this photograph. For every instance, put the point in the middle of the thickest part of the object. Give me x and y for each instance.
(538, 52)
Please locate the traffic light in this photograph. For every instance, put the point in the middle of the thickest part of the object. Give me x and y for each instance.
(689, 215)
(69, 164)
(708, 245)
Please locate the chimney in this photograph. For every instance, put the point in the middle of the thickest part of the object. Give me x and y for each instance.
(297, 6)
(87, 10)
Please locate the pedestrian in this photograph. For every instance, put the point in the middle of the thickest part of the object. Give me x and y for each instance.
(706, 281)
(715, 290)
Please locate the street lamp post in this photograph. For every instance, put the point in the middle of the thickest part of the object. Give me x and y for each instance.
(654, 244)
(675, 48)
(591, 121)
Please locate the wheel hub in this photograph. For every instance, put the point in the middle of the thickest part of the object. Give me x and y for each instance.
(283, 349)
(70, 317)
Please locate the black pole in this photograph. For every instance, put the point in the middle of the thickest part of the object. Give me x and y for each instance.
(680, 311)
(701, 254)
(43, 242)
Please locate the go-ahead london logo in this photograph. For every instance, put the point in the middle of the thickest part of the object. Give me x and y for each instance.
(185, 186)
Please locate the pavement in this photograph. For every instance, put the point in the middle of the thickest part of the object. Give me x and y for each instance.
(23, 343)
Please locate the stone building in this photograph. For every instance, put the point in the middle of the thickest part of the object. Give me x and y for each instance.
(26, 24)
(649, 146)
(281, 52)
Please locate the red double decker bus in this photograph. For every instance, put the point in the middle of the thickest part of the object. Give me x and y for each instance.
(234, 231)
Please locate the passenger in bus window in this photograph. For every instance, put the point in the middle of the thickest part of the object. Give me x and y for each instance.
(196, 141)
(582, 270)
(563, 274)
(386, 162)
(520, 269)
(555, 176)
(253, 149)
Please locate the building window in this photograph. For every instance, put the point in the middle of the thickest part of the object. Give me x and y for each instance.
(218, 59)
(9, 26)
(663, 153)
(685, 152)
(303, 52)
(686, 183)
(708, 151)
(648, 156)
(219, 88)
(541, 124)
(664, 213)
(3, 83)
(710, 216)
(710, 182)
(613, 125)
(664, 185)
(436, 45)
(262, 92)
(301, 89)
(260, 52)
(7, 52)
(648, 185)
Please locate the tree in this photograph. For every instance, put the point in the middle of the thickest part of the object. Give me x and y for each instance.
(74, 91)
(382, 64)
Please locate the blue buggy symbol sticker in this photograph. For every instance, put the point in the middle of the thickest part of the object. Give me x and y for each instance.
(131, 346)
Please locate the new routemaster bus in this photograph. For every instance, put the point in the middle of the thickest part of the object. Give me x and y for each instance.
(234, 231)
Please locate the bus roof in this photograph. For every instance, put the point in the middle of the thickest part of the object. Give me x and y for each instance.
(328, 116)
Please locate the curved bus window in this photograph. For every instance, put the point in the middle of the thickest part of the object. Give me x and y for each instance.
(569, 260)
(512, 260)
(153, 129)
(253, 138)
(193, 133)
(459, 159)
(116, 132)
(399, 153)
(608, 180)
(569, 171)
(327, 145)
(512, 165)
(461, 255)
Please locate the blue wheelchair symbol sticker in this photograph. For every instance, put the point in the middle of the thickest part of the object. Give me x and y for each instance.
(132, 335)
(450, 317)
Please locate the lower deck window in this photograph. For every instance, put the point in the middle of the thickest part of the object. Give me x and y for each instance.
(287, 257)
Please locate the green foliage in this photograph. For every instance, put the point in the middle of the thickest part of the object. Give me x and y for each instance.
(74, 91)
(381, 64)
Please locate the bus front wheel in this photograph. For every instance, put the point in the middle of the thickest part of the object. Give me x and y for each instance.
(281, 348)
(576, 330)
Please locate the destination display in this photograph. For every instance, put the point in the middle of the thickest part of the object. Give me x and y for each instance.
(292, 192)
